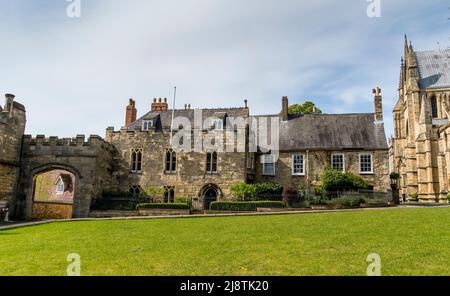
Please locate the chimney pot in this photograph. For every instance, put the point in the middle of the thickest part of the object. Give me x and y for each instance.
(284, 108)
(130, 113)
(378, 101)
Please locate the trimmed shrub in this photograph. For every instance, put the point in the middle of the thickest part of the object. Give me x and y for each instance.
(164, 206)
(448, 197)
(333, 180)
(248, 206)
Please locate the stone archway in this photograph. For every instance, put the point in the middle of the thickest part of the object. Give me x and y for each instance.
(40, 209)
(210, 193)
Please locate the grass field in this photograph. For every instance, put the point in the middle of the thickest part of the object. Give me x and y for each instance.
(409, 241)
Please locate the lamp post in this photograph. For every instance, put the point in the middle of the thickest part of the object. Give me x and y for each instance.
(394, 186)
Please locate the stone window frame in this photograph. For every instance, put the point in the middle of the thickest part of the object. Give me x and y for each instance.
(135, 190)
(59, 182)
(293, 164)
(211, 163)
(169, 194)
(146, 125)
(136, 156)
(170, 162)
(343, 161)
(265, 162)
(361, 163)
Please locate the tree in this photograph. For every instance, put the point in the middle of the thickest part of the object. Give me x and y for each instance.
(307, 107)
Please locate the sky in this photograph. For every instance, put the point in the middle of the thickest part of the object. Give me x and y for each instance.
(76, 74)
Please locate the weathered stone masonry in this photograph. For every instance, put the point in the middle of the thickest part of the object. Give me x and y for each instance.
(12, 126)
(90, 161)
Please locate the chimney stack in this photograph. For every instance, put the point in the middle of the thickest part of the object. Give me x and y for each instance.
(9, 100)
(131, 113)
(284, 108)
(378, 100)
(159, 105)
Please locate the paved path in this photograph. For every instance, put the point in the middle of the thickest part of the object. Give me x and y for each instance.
(19, 224)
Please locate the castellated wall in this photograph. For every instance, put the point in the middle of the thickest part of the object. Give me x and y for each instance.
(190, 176)
(12, 126)
(91, 161)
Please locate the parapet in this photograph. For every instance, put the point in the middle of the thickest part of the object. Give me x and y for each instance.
(79, 140)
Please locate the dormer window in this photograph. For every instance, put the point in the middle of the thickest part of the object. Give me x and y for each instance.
(147, 124)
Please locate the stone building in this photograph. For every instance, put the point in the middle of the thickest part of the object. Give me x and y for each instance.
(419, 149)
(12, 127)
(191, 153)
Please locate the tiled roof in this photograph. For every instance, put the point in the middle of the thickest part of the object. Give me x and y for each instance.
(434, 68)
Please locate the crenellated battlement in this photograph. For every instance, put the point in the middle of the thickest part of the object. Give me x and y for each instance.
(79, 140)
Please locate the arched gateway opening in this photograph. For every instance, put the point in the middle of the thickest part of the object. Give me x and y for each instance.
(209, 194)
(53, 194)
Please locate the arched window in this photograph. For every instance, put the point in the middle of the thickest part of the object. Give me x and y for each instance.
(211, 162)
(434, 108)
(135, 190)
(171, 161)
(169, 194)
(136, 160)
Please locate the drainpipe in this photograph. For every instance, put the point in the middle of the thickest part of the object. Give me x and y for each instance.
(307, 170)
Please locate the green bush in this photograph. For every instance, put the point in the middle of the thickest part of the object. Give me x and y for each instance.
(376, 202)
(164, 206)
(414, 197)
(243, 191)
(333, 180)
(249, 206)
(448, 197)
(270, 188)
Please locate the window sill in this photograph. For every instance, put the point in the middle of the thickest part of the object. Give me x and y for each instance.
(366, 173)
(170, 173)
(298, 175)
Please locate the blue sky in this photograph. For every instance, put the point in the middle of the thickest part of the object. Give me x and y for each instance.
(75, 75)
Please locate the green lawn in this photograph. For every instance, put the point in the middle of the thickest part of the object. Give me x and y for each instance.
(409, 241)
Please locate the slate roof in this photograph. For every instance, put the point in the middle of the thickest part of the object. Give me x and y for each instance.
(165, 117)
(303, 132)
(332, 132)
(434, 68)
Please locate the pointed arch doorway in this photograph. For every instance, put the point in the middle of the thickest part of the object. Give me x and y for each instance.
(209, 194)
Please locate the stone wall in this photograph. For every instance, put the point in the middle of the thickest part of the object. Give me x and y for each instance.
(317, 161)
(190, 176)
(12, 126)
(90, 161)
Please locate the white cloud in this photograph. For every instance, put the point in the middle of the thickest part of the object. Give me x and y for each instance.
(76, 75)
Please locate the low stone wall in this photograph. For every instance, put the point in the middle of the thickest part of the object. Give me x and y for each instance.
(48, 210)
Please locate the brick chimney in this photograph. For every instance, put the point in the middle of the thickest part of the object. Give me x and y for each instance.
(131, 113)
(9, 100)
(284, 108)
(159, 105)
(378, 100)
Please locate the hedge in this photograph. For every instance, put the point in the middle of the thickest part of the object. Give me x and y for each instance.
(167, 206)
(249, 206)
